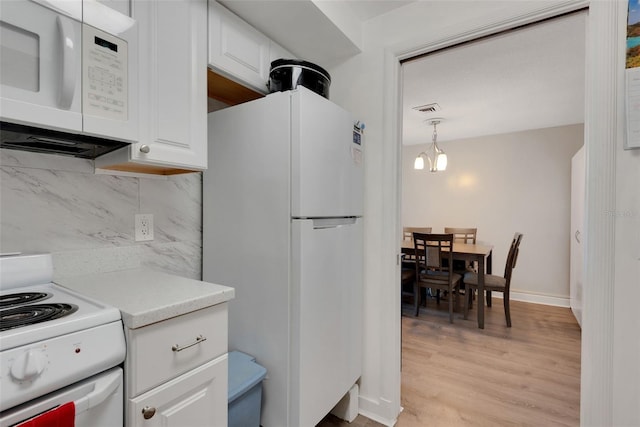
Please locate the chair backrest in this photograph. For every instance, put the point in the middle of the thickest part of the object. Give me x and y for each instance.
(431, 250)
(462, 235)
(407, 232)
(512, 257)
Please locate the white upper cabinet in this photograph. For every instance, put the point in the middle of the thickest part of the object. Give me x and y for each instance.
(172, 90)
(239, 51)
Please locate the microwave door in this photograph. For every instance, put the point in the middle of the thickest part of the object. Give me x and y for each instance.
(40, 66)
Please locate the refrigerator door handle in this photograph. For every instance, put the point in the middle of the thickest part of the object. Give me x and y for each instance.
(319, 223)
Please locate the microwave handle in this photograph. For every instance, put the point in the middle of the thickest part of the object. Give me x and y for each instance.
(68, 72)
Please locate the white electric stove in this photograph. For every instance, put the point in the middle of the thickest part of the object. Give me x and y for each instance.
(51, 338)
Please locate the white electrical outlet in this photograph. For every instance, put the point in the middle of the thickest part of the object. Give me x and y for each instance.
(144, 227)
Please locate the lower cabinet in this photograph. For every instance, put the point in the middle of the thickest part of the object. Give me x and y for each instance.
(176, 370)
(196, 398)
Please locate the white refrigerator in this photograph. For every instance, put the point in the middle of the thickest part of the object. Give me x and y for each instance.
(282, 224)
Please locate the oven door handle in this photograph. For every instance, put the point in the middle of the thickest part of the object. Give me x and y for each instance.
(102, 389)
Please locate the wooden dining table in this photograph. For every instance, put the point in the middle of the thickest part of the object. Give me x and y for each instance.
(480, 253)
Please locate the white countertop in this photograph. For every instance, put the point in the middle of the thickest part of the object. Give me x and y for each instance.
(145, 296)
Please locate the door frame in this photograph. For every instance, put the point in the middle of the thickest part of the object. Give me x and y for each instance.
(604, 68)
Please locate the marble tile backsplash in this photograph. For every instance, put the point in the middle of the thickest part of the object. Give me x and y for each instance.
(57, 204)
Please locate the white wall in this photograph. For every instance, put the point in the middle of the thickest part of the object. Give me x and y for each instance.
(502, 184)
(364, 85)
(626, 375)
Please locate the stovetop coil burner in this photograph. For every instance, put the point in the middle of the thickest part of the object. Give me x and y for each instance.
(33, 313)
(12, 300)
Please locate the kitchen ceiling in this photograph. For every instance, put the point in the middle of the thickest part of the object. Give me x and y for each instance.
(528, 78)
(367, 9)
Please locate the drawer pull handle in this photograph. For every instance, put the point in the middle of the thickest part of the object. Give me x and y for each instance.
(198, 340)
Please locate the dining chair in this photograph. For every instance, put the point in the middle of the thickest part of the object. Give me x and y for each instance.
(431, 250)
(462, 235)
(493, 283)
(408, 261)
(407, 279)
(407, 232)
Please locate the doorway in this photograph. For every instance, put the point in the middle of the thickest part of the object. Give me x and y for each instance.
(510, 123)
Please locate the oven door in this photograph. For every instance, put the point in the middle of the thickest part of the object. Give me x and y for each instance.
(40, 63)
(98, 402)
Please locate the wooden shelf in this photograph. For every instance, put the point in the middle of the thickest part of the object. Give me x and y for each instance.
(227, 91)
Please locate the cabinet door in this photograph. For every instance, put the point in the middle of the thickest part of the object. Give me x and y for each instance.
(236, 49)
(173, 83)
(197, 398)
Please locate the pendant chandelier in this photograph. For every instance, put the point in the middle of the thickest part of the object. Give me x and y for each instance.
(434, 154)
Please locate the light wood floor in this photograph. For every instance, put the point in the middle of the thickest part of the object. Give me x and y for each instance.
(459, 375)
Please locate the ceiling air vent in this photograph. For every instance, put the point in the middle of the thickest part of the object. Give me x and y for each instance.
(428, 108)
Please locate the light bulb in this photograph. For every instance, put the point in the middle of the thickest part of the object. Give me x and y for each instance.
(419, 163)
(441, 162)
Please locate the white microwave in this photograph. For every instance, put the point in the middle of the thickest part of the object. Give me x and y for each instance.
(69, 65)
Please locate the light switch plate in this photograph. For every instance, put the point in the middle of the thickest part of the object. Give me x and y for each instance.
(144, 227)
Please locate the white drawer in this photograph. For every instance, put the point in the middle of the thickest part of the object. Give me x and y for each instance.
(167, 349)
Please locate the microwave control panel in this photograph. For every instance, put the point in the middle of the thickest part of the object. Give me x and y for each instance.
(104, 88)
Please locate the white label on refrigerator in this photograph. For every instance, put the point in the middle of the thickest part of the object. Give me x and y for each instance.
(104, 86)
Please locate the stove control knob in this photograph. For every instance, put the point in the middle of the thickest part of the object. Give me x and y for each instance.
(28, 365)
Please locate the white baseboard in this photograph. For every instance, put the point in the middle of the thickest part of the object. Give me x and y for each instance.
(536, 298)
(378, 419)
(367, 407)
